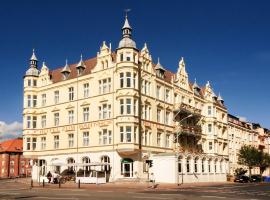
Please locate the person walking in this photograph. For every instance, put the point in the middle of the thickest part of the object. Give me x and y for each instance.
(49, 177)
(152, 179)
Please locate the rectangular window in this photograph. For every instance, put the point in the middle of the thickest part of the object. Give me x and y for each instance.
(159, 115)
(145, 138)
(86, 114)
(34, 82)
(71, 94)
(43, 143)
(135, 107)
(56, 119)
(167, 95)
(121, 57)
(100, 138)
(158, 92)
(134, 80)
(210, 128)
(128, 77)
(43, 99)
(104, 136)
(56, 97)
(85, 138)
(104, 86)
(70, 140)
(209, 110)
(121, 134)
(28, 143)
(43, 121)
(29, 101)
(167, 142)
(121, 80)
(70, 117)
(100, 87)
(104, 111)
(28, 122)
(34, 144)
(86, 90)
(128, 104)
(121, 106)
(210, 145)
(167, 118)
(128, 133)
(34, 121)
(159, 139)
(29, 83)
(34, 100)
(56, 142)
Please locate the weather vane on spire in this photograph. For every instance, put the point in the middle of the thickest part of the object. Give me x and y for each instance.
(127, 10)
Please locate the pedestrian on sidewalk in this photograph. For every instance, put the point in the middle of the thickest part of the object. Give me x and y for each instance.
(49, 177)
(152, 179)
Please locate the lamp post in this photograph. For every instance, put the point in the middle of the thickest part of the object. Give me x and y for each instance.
(177, 151)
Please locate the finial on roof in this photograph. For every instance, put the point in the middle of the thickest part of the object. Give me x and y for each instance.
(80, 63)
(195, 85)
(66, 68)
(220, 97)
(126, 24)
(33, 57)
(159, 66)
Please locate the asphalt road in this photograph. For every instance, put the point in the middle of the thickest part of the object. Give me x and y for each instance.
(12, 190)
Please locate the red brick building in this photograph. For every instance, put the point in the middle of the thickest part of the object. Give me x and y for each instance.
(12, 161)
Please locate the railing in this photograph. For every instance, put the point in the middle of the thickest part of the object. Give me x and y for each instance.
(187, 108)
(188, 129)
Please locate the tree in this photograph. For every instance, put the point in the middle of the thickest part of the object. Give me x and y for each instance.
(249, 156)
(264, 161)
(240, 171)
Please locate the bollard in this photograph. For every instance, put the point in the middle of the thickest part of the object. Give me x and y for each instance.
(31, 183)
(59, 182)
(79, 183)
(43, 183)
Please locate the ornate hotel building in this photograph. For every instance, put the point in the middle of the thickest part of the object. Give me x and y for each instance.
(124, 109)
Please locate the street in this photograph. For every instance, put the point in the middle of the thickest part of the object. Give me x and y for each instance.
(252, 191)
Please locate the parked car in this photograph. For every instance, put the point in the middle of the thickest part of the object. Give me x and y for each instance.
(256, 178)
(242, 179)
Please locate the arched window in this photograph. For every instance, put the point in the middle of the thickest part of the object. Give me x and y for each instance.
(196, 165)
(43, 167)
(180, 164)
(106, 160)
(70, 161)
(86, 160)
(203, 165)
(215, 166)
(188, 165)
(221, 166)
(209, 165)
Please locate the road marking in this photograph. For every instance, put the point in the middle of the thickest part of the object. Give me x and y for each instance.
(214, 197)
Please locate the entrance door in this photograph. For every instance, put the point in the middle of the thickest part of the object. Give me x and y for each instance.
(128, 169)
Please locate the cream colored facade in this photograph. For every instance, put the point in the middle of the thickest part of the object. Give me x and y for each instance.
(123, 109)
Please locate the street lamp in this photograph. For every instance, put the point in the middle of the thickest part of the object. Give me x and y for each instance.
(177, 152)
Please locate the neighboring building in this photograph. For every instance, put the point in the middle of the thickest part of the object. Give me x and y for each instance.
(12, 162)
(121, 108)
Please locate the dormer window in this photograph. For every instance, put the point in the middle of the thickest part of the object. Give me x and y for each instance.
(81, 67)
(66, 71)
(65, 75)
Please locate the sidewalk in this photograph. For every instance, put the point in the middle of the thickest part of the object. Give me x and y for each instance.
(125, 186)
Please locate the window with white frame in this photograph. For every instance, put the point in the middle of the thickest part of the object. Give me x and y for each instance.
(86, 138)
(56, 97)
(71, 93)
(43, 99)
(29, 101)
(159, 115)
(28, 143)
(167, 118)
(34, 101)
(159, 139)
(158, 89)
(135, 106)
(128, 79)
(34, 121)
(56, 141)
(105, 86)
(43, 121)
(196, 165)
(86, 90)
(122, 106)
(167, 95)
(188, 165)
(126, 106)
(105, 137)
(105, 111)
(34, 143)
(70, 117)
(145, 137)
(86, 114)
(209, 128)
(210, 145)
(167, 141)
(125, 133)
(70, 140)
(28, 121)
(43, 143)
(209, 110)
(122, 80)
(147, 112)
(56, 119)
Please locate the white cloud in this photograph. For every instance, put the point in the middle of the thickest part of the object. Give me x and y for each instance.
(12, 130)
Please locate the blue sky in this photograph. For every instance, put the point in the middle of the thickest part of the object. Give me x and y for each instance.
(226, 42)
